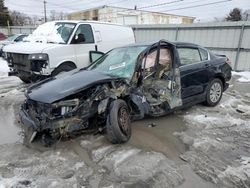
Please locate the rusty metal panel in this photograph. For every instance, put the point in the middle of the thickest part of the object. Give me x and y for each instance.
(4, 30)
(153, 35)
(244, 61)
(246, 38)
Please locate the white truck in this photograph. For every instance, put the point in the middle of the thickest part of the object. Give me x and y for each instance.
(61, 46)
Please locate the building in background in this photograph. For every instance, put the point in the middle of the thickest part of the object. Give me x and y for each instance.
(129, 16)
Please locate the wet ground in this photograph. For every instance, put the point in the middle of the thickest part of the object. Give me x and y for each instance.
(196, 147)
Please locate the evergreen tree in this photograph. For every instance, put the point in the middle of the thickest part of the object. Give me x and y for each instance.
(234, 15)
(4, 14)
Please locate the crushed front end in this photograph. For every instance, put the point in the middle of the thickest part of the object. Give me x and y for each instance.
(83, 112)
(27, 67)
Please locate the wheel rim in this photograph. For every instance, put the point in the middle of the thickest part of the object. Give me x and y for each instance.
(123, 120)
(215, 92)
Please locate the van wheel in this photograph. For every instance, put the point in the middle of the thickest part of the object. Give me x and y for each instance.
(118, 125)
(214, 92)
(63, 68)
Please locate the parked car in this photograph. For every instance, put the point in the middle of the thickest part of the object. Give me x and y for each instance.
(2, 36)
(126, 83)
(10, 40)
(60, 46)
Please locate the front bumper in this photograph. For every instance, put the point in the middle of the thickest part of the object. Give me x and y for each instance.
(28, 125)
(27, 122)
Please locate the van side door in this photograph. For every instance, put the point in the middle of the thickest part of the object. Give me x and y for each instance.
(83, 42)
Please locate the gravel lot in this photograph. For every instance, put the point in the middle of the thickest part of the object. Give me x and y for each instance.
(195, 147)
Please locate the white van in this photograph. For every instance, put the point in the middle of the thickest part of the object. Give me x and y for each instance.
(61, 46)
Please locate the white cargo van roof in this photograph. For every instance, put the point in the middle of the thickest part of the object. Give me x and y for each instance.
(88, 21)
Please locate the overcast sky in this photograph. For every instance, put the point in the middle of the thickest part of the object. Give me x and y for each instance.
(203, 10)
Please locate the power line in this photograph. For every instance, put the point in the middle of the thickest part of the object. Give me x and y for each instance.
(160, 4)
(84, 3)
(194, 6)
(180, 4)
(129, 9)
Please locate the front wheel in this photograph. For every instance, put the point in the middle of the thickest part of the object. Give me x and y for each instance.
(118, 125)
(214, 92)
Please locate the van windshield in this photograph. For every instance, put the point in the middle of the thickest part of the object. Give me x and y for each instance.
(119, 62)
(52, 32)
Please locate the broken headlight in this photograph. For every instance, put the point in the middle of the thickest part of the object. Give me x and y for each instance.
(39, 56)
(64, 107)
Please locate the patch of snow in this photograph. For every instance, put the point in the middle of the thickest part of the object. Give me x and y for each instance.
(9, 182)
(241, 172)
(244, 76)
(79, 165)
(122, 155)
(50, 32)
(245, 160)
(101, 152)
(4, 69)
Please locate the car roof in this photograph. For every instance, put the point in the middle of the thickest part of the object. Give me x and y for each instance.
(177, 43)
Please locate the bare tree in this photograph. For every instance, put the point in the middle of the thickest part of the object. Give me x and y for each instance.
(234, 15)
(57, 15)
(4, 14)
(246, 15)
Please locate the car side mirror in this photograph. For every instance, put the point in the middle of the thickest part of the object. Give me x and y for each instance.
(94, 55)
(80, 38)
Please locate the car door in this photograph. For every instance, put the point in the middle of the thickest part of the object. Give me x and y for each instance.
(161, 80)
(83, 42)
(194, 70)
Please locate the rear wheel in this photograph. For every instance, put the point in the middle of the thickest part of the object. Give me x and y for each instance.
(118, 122)
(63, 68)
(214, 92)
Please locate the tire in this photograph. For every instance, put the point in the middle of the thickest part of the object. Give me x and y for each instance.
(25, 79)
(118, 126)
(63, 68)
(214, 92)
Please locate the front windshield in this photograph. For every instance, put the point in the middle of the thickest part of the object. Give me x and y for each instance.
(52, 32)
(11, 38)
(119, 62)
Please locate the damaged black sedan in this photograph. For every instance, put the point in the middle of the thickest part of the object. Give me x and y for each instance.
(125, 84)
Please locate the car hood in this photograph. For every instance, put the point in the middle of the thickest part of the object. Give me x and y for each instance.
(66, 84)
(28, 47)
(5, 42)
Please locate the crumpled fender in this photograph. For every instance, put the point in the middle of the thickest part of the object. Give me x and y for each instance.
(141, 103)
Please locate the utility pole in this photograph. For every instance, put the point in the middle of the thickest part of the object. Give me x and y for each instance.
(45, 13)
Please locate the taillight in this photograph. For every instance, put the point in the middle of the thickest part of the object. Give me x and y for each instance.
(228, 61)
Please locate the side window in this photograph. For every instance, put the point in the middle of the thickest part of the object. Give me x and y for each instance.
(189, 55)
(83, 34)
(165, 63)
(150, 61)
(204, 54)
(20, 38)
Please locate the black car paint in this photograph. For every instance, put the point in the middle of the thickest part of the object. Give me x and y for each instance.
(196, 77)
(66, 84)
(194, 81)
